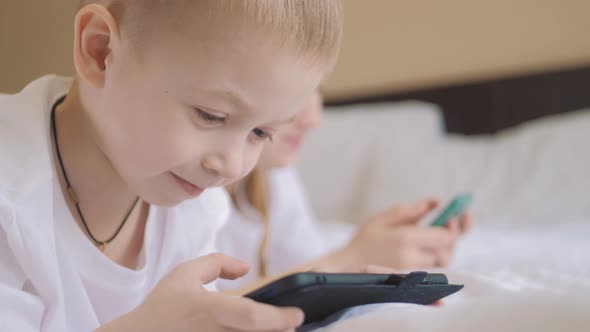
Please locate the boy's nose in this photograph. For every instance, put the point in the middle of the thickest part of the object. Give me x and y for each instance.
(311, 116)
(228, 167)
(310, 120)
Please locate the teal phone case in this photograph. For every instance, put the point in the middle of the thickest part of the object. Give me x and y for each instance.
(455, 209)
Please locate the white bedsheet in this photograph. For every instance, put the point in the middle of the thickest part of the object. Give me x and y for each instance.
(518, 277)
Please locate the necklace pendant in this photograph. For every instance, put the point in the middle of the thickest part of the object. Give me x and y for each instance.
(73, 195)
(102, 246)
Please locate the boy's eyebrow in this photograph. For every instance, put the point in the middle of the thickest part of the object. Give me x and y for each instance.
(284, 122)
(240, 103)
(289, 120)
(234, 98)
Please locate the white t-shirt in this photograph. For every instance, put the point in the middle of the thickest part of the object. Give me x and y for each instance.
(294, 237)
(51, 277)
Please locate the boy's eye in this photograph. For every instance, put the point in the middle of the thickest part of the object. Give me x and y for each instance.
(262, 134)
(208, 117)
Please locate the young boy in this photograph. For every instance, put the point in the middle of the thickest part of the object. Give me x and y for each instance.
(104, 206)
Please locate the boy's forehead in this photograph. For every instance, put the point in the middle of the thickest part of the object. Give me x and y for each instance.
(196, 42)
(239, 75)
(248, 98)
(309, 28)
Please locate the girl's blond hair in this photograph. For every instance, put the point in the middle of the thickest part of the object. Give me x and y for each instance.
(255, 187)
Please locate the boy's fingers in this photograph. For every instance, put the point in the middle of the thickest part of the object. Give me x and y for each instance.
(209, 268)
(374, 269)
(241, 330)
(438, 303)
(247, 315)
(357, 269)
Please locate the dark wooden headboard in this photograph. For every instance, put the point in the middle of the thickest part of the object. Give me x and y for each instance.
(489, 106)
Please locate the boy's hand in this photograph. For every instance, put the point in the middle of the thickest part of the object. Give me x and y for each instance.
(393, 238)
(181, 303)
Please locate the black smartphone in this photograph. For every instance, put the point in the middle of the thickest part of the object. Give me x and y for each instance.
(320, 295)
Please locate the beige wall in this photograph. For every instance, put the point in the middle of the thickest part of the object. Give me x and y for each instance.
(393, 45)
(35, 39)
(390, 45)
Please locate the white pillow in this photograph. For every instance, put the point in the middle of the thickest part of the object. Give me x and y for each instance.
(338, 159)
(538, 172)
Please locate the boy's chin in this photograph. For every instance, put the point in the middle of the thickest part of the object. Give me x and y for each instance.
(166, 201)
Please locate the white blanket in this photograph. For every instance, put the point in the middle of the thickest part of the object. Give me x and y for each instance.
(517, 278)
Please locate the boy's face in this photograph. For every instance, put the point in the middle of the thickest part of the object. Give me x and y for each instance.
(285, 145)
(190, 116)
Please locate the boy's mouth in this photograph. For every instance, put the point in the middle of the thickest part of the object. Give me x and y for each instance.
(188, 187)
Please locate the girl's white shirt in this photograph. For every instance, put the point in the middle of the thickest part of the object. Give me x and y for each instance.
(294, 237)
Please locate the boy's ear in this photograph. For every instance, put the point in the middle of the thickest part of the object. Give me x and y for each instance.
(96, 31)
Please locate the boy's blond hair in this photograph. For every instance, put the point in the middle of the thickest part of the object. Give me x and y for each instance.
(310, 28)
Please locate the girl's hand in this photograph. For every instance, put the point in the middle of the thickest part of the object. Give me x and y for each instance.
(393, 238)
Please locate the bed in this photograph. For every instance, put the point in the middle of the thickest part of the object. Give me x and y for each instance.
(524, 155)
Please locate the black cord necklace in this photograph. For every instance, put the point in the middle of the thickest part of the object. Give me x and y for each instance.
(101, 244)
